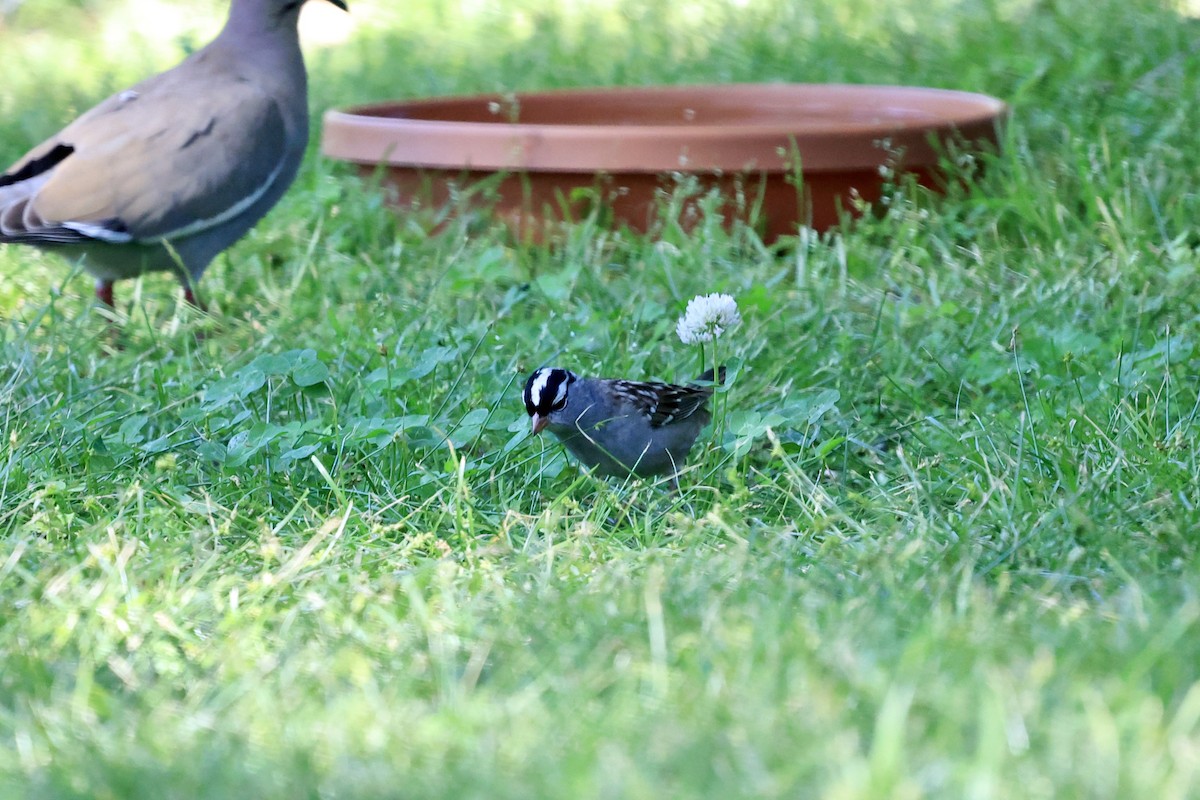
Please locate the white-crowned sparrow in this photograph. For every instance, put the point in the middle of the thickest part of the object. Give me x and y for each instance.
(617, 427)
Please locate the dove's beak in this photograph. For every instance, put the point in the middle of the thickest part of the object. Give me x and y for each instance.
(537, 422)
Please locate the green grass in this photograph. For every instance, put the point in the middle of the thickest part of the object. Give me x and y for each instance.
(941, 543)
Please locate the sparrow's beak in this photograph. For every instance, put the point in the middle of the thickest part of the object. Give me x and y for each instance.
(340, 4)
(537, 422)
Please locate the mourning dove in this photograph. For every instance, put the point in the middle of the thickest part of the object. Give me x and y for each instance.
(167, 174)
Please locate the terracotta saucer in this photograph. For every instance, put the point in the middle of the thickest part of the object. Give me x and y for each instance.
(626, 146)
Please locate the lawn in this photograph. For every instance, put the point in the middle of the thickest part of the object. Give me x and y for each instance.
(940, 541)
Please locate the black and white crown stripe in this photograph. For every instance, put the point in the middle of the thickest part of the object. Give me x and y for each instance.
(546, 390)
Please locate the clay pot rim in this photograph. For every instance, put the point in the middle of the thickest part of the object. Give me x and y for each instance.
(909, 118)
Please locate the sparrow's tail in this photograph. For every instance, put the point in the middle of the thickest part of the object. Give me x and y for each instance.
(708, 375)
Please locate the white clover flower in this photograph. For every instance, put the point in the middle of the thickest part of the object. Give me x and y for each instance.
(707, 317)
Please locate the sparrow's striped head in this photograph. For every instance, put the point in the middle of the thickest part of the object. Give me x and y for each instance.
(545, 393)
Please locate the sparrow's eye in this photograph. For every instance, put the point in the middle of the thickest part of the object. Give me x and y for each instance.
(561, 382)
